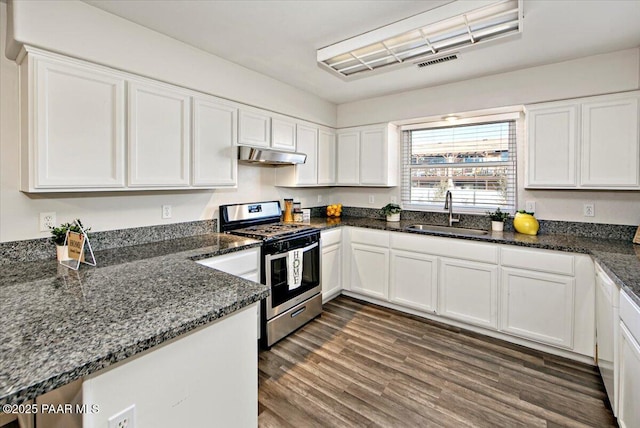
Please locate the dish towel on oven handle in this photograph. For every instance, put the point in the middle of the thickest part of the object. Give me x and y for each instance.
(294, 269)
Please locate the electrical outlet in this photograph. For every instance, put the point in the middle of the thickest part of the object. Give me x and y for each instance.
(589, 209)
(47, 220)
(166, 211)
(372, 199)
(124, 419)
(319, 198)
(393, 200)
(530, 206)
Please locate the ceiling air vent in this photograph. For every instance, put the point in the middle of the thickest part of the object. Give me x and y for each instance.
(437, 60)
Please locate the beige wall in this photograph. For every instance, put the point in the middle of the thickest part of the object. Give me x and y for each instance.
(19, 212)
(600, 74)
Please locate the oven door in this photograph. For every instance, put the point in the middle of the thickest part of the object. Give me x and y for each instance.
(282, 296)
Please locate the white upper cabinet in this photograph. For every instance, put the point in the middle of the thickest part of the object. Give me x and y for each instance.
(259, 128)
(368, 156)
(159, 136)
(120, 131)
(348, 158)
(73, 126)
(553, 138)
(586, 143)
(214, 139)
(254, 128)
(610, 154)
(326, 156)
(306, 174)
(283, 134)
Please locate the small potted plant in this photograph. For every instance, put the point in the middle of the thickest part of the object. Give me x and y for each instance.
(497, 219)
(59, 235)
(392, 211)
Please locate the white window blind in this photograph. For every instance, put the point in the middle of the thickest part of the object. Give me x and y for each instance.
(476, 162)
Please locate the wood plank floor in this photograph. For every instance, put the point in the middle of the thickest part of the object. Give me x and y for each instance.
(362, 365)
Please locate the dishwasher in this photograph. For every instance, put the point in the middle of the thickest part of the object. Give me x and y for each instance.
(607, 316)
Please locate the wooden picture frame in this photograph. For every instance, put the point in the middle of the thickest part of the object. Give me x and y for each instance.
(636, 239)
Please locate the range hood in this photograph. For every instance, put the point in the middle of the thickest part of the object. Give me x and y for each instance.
(260, 156)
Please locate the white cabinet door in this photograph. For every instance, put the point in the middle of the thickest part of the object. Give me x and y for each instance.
(254, 128)
(553, 135)
(373, 157)
(413, 280)
(331, 271)
(610, 144)
(214, 143)
(538, 306)
(159, 136)
(468, 291)
(369, 270)
(76, 115)
(326, 156)
(629, 379)
(307, 173)
(283, 134)
(348, 158)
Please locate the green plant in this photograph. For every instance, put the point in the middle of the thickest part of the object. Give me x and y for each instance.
(59, 234)
(390, 209)
(498, 215)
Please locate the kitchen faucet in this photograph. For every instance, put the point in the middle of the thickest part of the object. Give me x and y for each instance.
(448, 205)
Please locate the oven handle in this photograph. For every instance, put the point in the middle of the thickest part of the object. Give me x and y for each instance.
(270, 257)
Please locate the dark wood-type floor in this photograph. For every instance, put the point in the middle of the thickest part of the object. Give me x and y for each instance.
(363, 365)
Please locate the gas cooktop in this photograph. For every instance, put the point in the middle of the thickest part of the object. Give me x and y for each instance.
(273, 230)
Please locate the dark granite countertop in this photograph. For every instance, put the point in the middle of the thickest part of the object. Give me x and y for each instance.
(619, 259)
(59, 325)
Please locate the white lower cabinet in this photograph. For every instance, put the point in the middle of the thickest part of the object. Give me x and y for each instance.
(538, 306)
(628, 410)
(245, 264)
(370, 270)
(468, 292)
(539, 298)
(413, 280)
(331, 277)
(629, 364)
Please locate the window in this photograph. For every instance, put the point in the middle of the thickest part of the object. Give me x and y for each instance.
(476, 162)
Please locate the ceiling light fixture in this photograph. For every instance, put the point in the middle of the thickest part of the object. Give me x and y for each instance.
(451, 118)
(454, 26)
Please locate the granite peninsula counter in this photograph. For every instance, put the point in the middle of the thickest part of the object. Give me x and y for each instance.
(59, 325)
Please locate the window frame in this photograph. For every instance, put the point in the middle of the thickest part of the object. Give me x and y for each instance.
(478, 119)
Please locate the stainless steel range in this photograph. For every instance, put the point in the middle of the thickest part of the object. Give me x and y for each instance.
(290, 265)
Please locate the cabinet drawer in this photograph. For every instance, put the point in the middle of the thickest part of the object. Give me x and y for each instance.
(331, 237)
(378, 238)
(238, 263)
(630, 315)
(445, 247)
(540, 260)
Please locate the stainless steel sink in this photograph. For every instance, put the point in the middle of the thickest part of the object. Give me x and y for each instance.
(447, 229)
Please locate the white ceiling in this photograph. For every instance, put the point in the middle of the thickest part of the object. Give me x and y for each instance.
(280, 38)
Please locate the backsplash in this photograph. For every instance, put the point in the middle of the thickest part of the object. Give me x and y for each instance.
(37, 249)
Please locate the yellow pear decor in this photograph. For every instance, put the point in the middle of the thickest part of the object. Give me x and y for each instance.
(525, 223)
